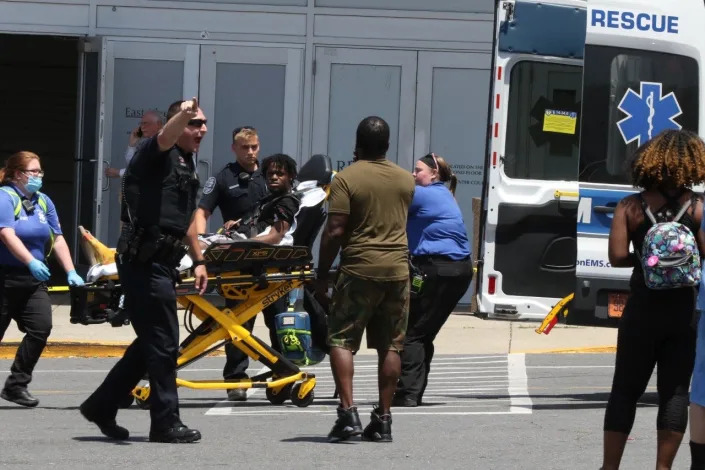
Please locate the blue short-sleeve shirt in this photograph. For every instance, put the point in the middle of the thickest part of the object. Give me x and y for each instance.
(34, 229)
(435, 225)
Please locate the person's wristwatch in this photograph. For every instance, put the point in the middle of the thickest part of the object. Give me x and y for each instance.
(200, 262)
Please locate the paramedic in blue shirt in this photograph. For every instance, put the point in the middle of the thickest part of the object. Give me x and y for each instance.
(439, 248)
(28, 220)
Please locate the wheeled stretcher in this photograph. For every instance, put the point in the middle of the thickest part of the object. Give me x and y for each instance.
(253, 273)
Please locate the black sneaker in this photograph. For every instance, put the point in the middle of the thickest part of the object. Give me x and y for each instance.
(379, 429)
(347, 425)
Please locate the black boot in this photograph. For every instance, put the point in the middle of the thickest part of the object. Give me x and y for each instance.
(21, 397)
(178, 434)
(380, 427)
(107, 426)
(347, 425)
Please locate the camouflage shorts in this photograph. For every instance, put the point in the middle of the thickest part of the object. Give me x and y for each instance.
(380, 307)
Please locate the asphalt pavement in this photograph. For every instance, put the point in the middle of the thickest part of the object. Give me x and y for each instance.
(488, 411)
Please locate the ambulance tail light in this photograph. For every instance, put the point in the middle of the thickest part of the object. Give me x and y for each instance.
(491, 284)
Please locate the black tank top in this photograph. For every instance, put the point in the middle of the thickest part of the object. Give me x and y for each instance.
(664, 214)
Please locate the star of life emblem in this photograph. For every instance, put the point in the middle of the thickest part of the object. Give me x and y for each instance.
(648, 113)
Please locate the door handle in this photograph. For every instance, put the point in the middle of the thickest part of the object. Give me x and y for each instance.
(604, 209)
(106, 186)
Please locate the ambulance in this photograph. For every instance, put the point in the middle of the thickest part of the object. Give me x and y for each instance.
(577, 87)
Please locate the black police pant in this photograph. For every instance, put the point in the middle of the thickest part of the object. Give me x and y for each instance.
(26, 301)
(236, 361)
(445, 284)
(150, 299)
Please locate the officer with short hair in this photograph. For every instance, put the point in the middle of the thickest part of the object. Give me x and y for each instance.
(159, 197)
(236, 190)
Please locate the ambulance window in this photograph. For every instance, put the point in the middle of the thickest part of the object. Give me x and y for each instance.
(629, 96)
(543, 121)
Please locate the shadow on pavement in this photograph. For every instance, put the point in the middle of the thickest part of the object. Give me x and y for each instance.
(569, 401)
(318, 439)
(211, 402)
(107, 440)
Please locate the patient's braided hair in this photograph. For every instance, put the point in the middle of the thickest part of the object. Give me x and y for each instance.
(281, 160)
(673, 159)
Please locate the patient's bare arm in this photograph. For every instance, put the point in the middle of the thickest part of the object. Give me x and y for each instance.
(276, 233)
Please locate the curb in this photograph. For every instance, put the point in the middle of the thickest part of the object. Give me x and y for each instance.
(107, 349)
(63, 349)
(585, 350)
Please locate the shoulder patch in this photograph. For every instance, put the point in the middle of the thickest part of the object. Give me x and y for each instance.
(210, 184)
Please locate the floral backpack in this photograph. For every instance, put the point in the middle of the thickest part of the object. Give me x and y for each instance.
(669, 256)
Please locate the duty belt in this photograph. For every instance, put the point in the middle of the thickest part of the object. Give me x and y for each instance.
(150, 246)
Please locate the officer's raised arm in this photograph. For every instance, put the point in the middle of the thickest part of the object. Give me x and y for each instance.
(169, 135)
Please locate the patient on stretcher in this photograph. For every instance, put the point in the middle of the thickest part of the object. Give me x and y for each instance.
(273, 220)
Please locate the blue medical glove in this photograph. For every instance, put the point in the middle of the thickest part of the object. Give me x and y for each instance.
(39, 270)
(74, 279)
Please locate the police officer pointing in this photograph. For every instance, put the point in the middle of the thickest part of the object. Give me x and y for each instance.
(159, 196)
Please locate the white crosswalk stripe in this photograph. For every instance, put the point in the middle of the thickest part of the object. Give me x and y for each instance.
(458, 385)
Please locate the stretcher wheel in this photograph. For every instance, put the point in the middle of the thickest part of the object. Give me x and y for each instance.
(142, 396)
(126, 402)
(278, 398)
(301, 402)
(143, 404)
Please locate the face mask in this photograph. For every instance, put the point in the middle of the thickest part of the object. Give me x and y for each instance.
(34, 183)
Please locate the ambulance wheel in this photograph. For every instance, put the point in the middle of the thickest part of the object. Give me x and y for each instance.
(301, 402)
(278, 398)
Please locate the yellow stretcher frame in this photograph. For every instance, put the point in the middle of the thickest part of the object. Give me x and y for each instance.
(286, 380)
(552, 318)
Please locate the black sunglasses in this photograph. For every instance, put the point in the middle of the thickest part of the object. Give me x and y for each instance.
(197, 122)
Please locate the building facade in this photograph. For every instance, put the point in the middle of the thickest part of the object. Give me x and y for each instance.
(78, 75)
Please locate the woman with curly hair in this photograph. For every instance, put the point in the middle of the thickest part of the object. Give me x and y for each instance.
(657, 326)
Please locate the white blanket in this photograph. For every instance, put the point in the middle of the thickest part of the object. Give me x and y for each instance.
(100, 271)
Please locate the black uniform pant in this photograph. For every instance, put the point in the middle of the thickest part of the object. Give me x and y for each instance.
(150, 299)
(27, 302)
(445, 284)
(236, 361)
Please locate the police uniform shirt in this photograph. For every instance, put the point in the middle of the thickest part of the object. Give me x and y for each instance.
(234, 190)
(150, 195)
(34, 229)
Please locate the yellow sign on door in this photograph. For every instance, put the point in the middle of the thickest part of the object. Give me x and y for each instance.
(562, 122)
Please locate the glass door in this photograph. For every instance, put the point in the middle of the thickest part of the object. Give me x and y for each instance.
(138, 77)
(258, 87)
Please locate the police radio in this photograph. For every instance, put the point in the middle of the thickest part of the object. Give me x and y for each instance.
(28, 206)
(243, 178)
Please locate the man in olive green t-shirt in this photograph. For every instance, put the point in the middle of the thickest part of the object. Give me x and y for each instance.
(368, 206)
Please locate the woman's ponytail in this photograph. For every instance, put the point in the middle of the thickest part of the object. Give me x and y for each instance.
(445, 173)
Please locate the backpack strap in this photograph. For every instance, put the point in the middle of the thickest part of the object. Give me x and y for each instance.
(16, 199)
(684, 208)
(647, 212)
(52, 236)
(669, 201)
(41, 200)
